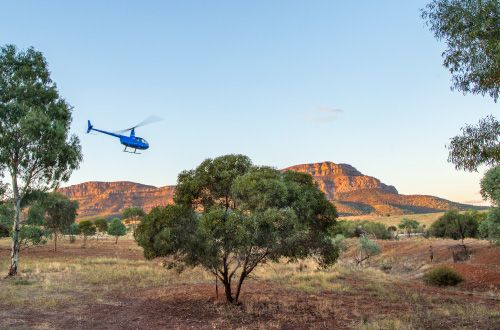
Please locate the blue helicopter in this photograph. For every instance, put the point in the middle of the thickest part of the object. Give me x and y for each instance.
(131, 141)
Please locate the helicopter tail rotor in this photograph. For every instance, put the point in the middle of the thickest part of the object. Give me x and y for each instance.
(89, 126)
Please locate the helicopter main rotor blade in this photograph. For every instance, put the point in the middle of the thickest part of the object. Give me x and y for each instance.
(147, 121)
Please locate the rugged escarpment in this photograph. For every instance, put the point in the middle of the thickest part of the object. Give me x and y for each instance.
(351, 191)
(110, 198)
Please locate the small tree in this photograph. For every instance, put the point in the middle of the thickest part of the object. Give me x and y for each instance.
(133, 216)
(456, 226)
(117, 228)
(366, 248)
(86, 229)
(409, 225)
(60, 213)
(230, 216)
(101, 226)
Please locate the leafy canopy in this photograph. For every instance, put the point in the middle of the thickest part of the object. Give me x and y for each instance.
(478, 145)
(490, 185)
(34, 122)
(117, 228)
(230, 216)
(457, 226)
(86, 228)
(101, 225)
(471, 31)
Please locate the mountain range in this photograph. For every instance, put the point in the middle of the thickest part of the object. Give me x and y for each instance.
(352, 192)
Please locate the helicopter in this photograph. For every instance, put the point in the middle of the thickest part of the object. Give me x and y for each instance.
(131, 141)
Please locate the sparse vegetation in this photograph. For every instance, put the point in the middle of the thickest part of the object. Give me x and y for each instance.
(363, 227)
(456, 226)
(442, 276)
(366, 248)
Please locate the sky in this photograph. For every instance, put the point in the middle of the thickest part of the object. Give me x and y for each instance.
(284, 82)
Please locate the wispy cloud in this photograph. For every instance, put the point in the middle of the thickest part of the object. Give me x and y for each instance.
(324, 115)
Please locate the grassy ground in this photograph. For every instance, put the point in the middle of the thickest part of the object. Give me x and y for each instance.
(393, 220)
(110, 286)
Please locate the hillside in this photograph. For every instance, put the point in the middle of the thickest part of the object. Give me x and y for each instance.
(351, 191)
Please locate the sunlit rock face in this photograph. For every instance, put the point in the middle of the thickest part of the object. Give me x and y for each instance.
(335, 179)
(352, 192)
(110, 198)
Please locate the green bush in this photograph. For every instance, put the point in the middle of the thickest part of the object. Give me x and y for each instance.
(4, 230)
(442, 276)
(351, 229)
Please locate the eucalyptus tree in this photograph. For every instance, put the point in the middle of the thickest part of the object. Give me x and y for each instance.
(36, 149)
(230, 216)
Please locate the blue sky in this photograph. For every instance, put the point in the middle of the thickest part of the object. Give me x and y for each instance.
(284, 82)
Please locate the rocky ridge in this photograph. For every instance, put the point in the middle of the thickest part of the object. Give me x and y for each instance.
(351, 191)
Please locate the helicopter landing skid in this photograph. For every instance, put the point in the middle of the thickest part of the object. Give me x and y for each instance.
(131, 152)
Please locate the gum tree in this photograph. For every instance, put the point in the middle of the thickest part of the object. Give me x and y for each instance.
(35, 146)
(230, 216)
(117, 228)
(60, 213)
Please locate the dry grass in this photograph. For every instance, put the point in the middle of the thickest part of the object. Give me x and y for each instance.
(109, 280)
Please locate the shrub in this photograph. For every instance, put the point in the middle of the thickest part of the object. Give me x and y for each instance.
(442, 276)
(366, 248)
(362, 227)
(4, 231)
(489, 228)
(409, 225)
(456, 226)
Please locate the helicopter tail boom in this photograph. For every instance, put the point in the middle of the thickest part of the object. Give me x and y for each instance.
(89, 127)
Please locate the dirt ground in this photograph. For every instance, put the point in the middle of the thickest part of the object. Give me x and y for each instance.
(108, 286)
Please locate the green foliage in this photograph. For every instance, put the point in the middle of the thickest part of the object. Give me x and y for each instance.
(60, 211)
(489, 228)
(366, 248)
(36, 214)
(73, 229)
(490, 185)
(6, 215)
(86, 228)
(471, 31)
(358, 228)
(230, 216)
(4, 230)
(31, 235)
(478, 145)
(133, 213)
(456, 226)
(409, 225)
(442, 276)
(101, 225)
(117, 228)
(35, 146)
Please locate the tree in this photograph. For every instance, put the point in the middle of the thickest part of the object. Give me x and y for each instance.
(409, 225)
(133, 216)
(366, 248)
(489, 228)
(72, 231)
(117, 228)
(478, 145)
(456, 226)
(471, 31)
(86, 228)
(101, 226)
(35, 147)
(490, 185)
(60, 213)
(230, 216)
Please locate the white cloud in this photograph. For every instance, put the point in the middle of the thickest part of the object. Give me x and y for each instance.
(324, 115)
